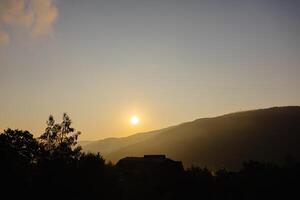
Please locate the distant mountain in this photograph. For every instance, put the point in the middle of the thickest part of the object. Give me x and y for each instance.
(84, 142)
(110, 145)
(225, 141)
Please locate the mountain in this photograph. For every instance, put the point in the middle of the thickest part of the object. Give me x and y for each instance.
(109, 145)
(226, 141)
(83, 142)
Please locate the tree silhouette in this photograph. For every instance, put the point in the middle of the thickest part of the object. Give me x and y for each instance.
(60, 139)
(19, 152)
(20, 142)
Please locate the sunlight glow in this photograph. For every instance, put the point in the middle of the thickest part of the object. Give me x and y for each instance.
(134, 120)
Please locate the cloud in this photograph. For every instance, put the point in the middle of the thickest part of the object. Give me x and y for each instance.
(4, 38)
(35, 16)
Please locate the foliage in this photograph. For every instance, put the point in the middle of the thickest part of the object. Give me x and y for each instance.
(60, 139)
(21, 143)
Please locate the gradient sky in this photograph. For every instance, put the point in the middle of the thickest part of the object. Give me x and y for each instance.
(165, 61)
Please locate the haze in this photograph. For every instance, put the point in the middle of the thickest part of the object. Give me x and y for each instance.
(164, 61)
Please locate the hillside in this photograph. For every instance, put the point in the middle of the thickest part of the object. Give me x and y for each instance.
(224, 141)
(110, 145)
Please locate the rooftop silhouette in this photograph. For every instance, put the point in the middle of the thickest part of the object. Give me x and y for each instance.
(149, 163)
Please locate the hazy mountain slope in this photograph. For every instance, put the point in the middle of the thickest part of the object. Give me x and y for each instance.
(84, 142)
(226, 141)
(109, 145)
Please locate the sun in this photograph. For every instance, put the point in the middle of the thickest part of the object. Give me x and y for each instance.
(134, 120)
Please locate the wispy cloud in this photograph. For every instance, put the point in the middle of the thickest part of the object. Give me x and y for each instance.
(35, 16)
(4, 37)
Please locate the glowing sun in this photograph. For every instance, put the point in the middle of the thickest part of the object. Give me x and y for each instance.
(134, 120)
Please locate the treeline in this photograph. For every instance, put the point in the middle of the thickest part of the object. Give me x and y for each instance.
(53, 166)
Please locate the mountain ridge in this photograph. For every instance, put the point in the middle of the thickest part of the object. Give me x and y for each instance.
(222, 141)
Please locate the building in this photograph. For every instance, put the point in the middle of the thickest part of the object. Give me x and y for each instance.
(149, 164)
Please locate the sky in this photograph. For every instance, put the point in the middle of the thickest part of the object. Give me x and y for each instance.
(166, 61)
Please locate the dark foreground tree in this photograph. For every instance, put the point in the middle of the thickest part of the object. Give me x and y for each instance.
(19, 151)
(60, 139)
(21, 143)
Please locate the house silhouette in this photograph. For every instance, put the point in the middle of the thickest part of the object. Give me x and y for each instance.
(149, 164)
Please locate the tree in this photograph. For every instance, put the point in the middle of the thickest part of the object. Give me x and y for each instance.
(19, 153)
(22, 143)
(60, 139)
